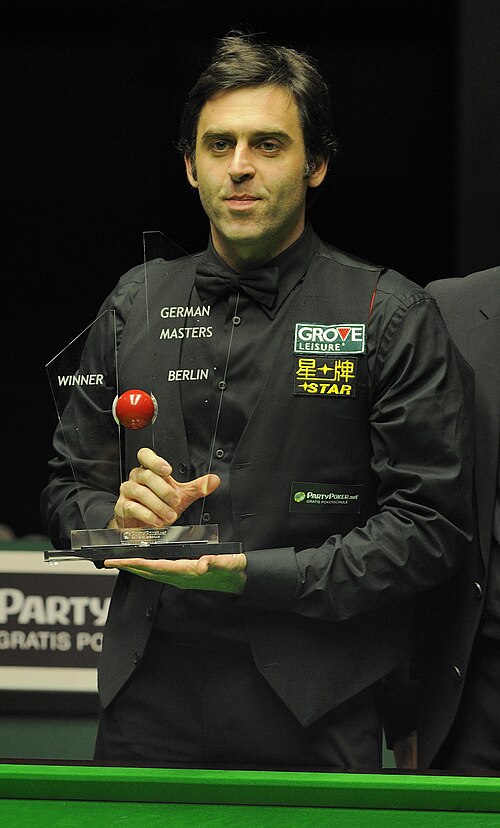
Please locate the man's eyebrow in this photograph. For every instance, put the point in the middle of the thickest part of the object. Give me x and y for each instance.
(214, 133)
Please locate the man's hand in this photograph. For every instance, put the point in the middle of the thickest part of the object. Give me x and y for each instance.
(151, 496)
(216, 573)
(405, 752)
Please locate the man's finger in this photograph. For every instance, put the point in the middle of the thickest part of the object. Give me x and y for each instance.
(150, 460)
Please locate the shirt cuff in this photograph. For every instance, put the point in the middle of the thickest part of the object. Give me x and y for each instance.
(272, 579)
(99, 515)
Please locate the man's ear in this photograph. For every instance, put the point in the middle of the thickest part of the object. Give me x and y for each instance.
(190, 170)
(317, 171)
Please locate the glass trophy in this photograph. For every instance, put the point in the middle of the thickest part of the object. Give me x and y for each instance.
(114, 395)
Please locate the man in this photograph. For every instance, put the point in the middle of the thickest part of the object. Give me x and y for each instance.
(471, 310)
(342, 454)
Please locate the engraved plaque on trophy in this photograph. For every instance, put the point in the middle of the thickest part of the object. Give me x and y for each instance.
(117, 392)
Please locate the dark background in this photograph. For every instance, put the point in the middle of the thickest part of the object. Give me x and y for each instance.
(92, 94)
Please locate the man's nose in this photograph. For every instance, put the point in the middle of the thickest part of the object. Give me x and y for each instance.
(241, 165)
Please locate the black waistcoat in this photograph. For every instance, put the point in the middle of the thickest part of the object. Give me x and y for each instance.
(290, 437)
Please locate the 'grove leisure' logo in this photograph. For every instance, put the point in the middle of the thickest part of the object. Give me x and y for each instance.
(312, 338)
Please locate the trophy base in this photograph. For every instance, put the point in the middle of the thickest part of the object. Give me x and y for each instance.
(167, 543)
(156, 551)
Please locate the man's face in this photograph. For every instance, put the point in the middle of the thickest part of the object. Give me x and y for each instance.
(249, 168)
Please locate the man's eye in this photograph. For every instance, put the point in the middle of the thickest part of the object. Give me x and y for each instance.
(219, 146)
(269, 146)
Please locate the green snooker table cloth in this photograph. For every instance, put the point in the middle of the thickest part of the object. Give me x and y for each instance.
(65, 796)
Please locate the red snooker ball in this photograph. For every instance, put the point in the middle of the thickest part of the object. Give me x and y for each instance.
(135, 409)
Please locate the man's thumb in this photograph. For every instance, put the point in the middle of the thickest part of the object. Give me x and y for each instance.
(206, 484)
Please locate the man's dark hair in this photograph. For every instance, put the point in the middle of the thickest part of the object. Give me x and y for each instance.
(240, 61)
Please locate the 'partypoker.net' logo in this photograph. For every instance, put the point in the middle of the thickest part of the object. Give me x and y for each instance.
(311, 338)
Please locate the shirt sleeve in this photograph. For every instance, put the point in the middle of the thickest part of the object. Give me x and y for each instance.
(421, 436)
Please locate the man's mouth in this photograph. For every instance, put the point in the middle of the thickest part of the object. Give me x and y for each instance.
(241, 200)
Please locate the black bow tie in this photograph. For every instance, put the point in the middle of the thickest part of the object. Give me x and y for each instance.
(261, 284)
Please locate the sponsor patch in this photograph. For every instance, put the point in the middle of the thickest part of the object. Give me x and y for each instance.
(330, 498)
(312, 338)
(325, 376)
